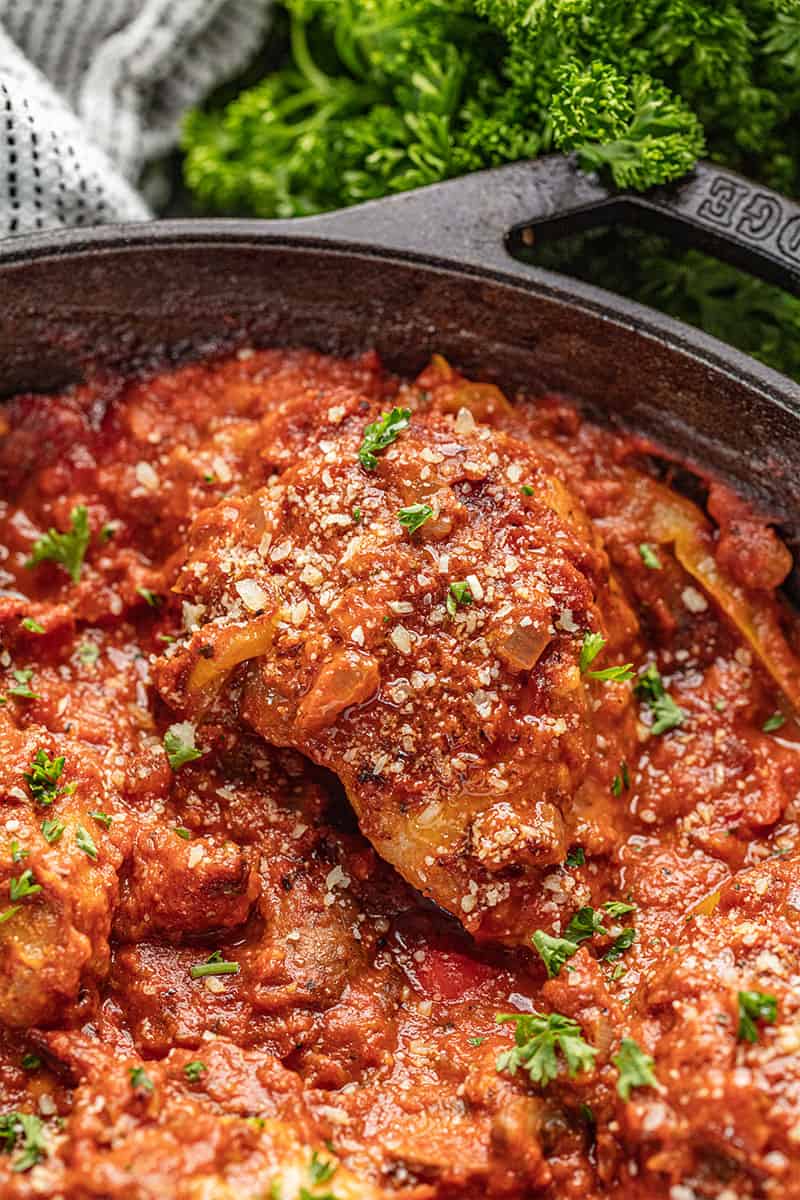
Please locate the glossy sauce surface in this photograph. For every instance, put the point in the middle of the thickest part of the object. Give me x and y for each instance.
(363, 765)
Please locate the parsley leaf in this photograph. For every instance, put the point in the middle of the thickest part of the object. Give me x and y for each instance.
(585, 923)
(21, 689)
(538, 1038)
(18, 889)
(66, 549)
(554, 951)
(182, 832)
(665, 712)
(613, 674)
(88, 653)
(52, 831)
(321, 1169)
(755, 1006)
(151, 598)
(380, 434)
(357, 514)
(618, 908)
(622, 942)
(30, 1062)
(575, 858)
(774, 722)
(84, 842)
(42, 779)
(193, 1070)
(457, 593)
(179, 745)
(31, 626)
(592, 645)
(102, 819)
(415, 516)
(649, 557)
(635, 1068)
(140, 1080)
(18, 1127)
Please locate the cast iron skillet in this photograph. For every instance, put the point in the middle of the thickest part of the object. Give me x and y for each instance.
(431, 271)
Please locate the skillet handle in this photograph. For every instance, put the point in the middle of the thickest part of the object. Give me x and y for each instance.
(477, 219)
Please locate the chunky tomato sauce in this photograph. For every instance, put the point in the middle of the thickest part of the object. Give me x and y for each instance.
(399, 798)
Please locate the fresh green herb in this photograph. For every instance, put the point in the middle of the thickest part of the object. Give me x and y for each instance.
(592, 645)
(102, 819)
(107, 531)
(52, 830)
(476, 1041)
(649, 557)
(140, 1080)
(635, 1068)
(380, 434)
(357, 515)
(665, 712)
(194, 1069)
(457, 593)
(575, 858)
(26, 1131)
(774, 722)
(31, 1062)
(151, 598)
(526, 489)
(755, 1006)
(553, 951)
(214, 965)
(321, 1169)
(18, 852)
(620, 781)
(21, 689)
(618, 908)
(179, 745)
(183, 832)
(584, 924)
(613, 674)
(538, 1038)
(84, 842)
(25, 886)
(43, 777)
(415, 516)
(66, 549)
(32, 626)
(8, 913)
(621, 943)
(88, 653)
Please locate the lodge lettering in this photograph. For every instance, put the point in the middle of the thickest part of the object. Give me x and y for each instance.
(755, 215)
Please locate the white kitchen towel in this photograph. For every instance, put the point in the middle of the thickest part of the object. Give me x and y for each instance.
(92, 91)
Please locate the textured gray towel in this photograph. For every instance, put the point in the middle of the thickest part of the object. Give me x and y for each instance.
(91, 91)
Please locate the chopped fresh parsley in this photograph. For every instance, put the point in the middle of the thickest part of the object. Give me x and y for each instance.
(31, 1062)
(618, 908)
(18, 852)
(380, 434)
(102, 819)
(26, 1131)
(539, 1036)
(84, 841)
(8, 913)
(42, 779)
(457, 593)
(66, 549)
(554, 951)
(576, 857)
(193, 1070)
(620, 781)
(140, 1080)
(755, 1006)
(476, 1041)
(585, 923)
(19, 889)
(151, 598)
(52, 830)
(613, 674)
(665, 712)
(649, 557)
(621, 943)
(635, 1068)
(321, 1169)
(592, 645)
(179, 745)
(415, 516)
(526, 489)
(357, 515)
(774, 722)
(214, 965)
(32, 626)
(21, 688)
(88, 653)
(183, 832)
